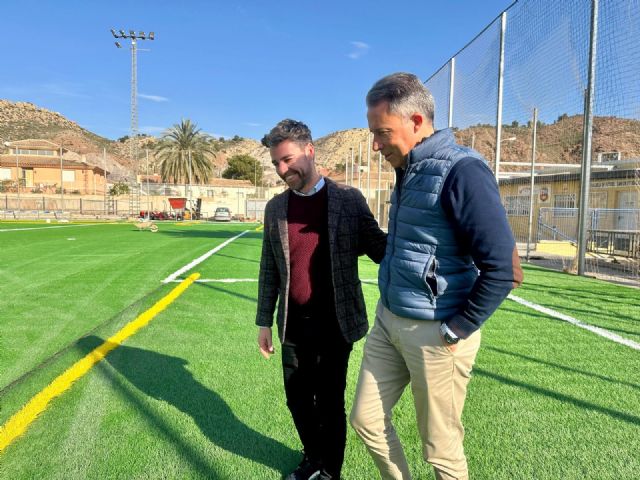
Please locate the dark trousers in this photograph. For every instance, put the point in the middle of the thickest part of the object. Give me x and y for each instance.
(314, 361)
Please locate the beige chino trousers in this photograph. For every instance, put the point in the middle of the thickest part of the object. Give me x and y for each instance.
(400, 351)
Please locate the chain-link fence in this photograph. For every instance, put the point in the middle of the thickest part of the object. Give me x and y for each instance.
(548, 93)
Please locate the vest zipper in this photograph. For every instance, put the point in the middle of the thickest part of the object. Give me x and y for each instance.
(395, 226)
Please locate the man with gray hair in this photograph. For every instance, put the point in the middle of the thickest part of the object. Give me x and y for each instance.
(450, 261)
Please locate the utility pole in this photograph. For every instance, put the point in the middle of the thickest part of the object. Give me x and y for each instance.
(61, 183)
(368, 166)
(359, 165)
(134, 85)
(17, 177)
(189, 153)
(148, 190)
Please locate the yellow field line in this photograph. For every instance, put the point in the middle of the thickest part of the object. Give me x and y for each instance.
(20, 421)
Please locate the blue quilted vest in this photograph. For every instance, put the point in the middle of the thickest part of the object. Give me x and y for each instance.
(425, 275)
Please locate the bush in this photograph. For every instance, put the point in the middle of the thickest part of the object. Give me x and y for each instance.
(119, 188)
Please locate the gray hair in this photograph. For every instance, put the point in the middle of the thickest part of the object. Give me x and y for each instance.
(405, 93)
(287, 129)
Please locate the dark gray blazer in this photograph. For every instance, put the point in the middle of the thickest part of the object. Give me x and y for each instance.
(353, 231)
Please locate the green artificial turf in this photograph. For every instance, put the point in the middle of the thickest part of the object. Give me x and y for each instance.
(189, 396)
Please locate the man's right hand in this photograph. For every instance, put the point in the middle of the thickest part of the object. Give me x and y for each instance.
(265, 342)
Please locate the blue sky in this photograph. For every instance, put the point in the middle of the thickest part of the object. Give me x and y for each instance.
(233, 67)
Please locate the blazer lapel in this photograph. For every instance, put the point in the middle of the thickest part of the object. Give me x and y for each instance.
(283, 226)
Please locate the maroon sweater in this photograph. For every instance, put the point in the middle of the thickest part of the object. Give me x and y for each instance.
(311, 286)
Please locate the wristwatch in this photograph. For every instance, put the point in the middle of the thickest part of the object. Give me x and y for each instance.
(450, 338)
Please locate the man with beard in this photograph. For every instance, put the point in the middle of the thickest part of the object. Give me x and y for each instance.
(313, 235)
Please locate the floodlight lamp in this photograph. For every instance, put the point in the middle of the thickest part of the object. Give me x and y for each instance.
(122, 34)
(151, 35)
(118, 44)
(114, 33)
(141, 35)
(132, 34)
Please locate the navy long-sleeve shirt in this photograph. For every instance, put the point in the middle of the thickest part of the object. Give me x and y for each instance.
(471, 199)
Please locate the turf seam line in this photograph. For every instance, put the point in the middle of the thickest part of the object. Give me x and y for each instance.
(65, 349)
(21, 420)
(561, 316)
(202, 258)
(43, 228)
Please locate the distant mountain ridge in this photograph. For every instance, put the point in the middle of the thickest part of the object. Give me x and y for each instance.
(559, 142)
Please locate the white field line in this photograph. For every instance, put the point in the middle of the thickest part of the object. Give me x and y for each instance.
(43, 228)
(561, 316)
(202, 258)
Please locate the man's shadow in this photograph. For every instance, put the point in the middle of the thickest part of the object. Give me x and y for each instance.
(164, 377)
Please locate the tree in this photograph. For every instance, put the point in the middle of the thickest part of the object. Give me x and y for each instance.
(173, 153)
(244, 167)
(119, 188)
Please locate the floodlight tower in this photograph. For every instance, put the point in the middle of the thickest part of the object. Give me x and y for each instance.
(134, 84)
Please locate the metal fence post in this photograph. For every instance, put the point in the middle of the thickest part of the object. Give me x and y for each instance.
(503, 29)
(452, 76)
(368, 167)
(585, 177)
(532, 182)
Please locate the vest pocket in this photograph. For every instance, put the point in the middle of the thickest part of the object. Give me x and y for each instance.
(429, 277)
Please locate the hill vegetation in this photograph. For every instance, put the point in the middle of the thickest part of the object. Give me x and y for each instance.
(559, 142)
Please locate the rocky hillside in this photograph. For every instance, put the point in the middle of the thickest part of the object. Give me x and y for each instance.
(559, 142)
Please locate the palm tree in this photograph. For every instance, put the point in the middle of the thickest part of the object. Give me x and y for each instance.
(173, 152)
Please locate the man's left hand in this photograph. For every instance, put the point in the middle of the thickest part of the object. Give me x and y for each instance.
(450, 346)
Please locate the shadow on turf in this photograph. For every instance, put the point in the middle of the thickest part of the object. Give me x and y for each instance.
(563, 368)
(217, 288)
(243, 259)
(200, 233)
(561, 397)
(166, 378)
(583, 293)
(545, 316)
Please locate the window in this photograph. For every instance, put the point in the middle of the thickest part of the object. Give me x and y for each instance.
(26, 151)
(564, 205)
(516, 205)
(5, 174)
(597, 199)
(564, 200)
(68, 176)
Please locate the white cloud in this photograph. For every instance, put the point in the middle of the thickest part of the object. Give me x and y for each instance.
(153, 98)
(359, 49)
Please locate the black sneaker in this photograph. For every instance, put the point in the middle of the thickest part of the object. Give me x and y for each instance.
(305, 470)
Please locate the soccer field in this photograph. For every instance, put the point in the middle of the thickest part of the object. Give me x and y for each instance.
(189, 396)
